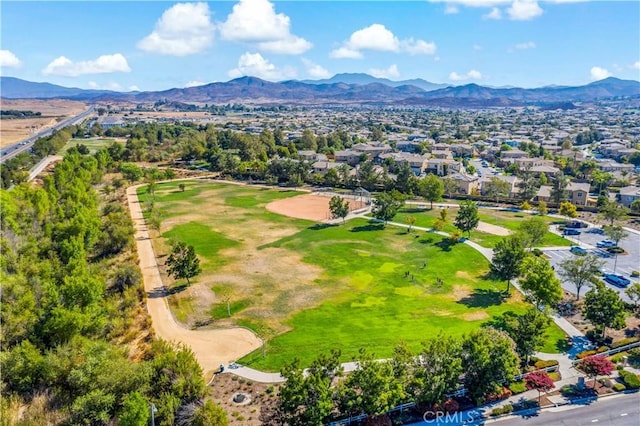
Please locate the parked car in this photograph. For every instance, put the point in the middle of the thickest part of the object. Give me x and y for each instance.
(570, 231)
(578, 250)
(603, 253)
(576, 224)
(617, 280)
(598, 231)
(605, 244)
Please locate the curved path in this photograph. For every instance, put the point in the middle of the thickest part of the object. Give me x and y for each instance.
(212, 347)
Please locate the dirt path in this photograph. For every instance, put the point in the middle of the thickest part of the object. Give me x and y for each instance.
(492, 229)
(211, 347)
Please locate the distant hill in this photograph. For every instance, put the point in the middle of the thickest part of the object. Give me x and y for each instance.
(362, 79)
(366, 91)
(15, 88)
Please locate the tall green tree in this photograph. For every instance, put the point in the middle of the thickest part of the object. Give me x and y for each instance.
(559, 191)
(604, 308)
(568, 209)
(616, 233)
(183, 262)
(437, 369)
(497, 188)
(386, 205)
(580, 271)
(488, 360)
(539, 281)
(508, 255)
(527, 330)
(533, 231)
(467, 218)
(431, 188)
(338, 207)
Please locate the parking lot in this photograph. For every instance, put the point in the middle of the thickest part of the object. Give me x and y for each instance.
(626, 263)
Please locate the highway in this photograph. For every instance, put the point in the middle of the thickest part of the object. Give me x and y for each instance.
(26, 144)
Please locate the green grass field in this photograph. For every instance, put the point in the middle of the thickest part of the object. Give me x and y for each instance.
(358, 294)
(94, 144)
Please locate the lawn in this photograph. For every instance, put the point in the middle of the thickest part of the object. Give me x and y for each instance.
(94, 144)
(311, 287)
(506, 219)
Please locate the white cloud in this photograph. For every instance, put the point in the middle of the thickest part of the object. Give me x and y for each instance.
(9, 59)
(253, 64)
(494, 14)
(109, 86)
(134, 88)
(256, 21)
(314, 70)
(524, 10)
(451, 9)
(194, 83)
(471, 75)
(598, 73)
(345, 53)
(525, 45)
(377, 37)
(636, 65)
(292, 45)
(183, 29)
(102, 65)
(391, 72)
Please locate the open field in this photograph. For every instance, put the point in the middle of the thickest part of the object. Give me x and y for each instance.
(52, 110)
(310, 287)
(505, 219)
(94, 144)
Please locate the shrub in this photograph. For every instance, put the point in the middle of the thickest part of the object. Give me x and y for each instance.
(585, 354)
(619, 387)
(625, 342)
(635, 274)
(518, 387)
(602, 349)
(630, 380)
(502, 410)
(618, 357)
(545, 363)
(634, 357)
(537, 252)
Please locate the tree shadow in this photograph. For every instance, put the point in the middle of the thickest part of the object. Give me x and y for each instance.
(163, 291)
(368, 227)
(427, 240)
(445, 244)
(481, 298)
(321, 226)
(414, 210)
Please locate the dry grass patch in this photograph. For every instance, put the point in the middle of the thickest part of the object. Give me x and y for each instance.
(459, 292)
(475, 316)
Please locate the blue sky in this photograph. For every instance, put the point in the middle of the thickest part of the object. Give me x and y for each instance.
(158, 45)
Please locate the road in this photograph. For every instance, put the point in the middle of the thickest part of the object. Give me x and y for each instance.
(619, 410)
(24, 145)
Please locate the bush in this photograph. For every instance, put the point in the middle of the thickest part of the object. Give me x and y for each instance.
(545, 363)
(619, 387)
(518, 387)
(502, 410)
(618, 357)
(602, 349)
(537, 252)
(569, 390)
(634, 357)
(635, 274)
(585, 354)
(625, 342)
(630, 380)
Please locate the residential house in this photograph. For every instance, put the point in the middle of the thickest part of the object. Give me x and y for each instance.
(442, 167)
(417, 162)
(348, 156)
(614, 166)
(467, 184)
(628, 195)
(511, 180)
(578, 193)
(513, 155)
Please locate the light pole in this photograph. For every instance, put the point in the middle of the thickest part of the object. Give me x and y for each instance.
(153, 411)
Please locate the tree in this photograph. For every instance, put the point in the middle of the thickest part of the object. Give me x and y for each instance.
(225, 294)
(135, 410)
(559, 189)
(568, 209)
(542, 208)
(437, 369)
(467, 218)
(497, 188)
(528, 184)
(386, 205)
(540, 282)
(580, 270)
(431, 188)
(410, 221)
(527, 330)
(525, 205)
(594, 366)
(181, 187)
(634, 294)
(209, 414)
(183, 262)
(533, 231)
(488, 361)
(540, 381)
(612, 211)
(604, 308)
(131, 172)
(615, 234)
(338, 207)
(508, 255)
(450, 186)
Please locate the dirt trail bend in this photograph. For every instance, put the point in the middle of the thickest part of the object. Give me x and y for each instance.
(211, 347)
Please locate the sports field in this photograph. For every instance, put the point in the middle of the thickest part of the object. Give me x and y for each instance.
(310, 287)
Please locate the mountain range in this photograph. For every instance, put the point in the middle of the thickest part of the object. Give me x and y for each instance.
(342, 89)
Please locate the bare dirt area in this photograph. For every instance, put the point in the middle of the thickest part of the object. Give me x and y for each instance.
(307, 206)
(211, 347)
(247, 413)
(492, 229)
(52, 110)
